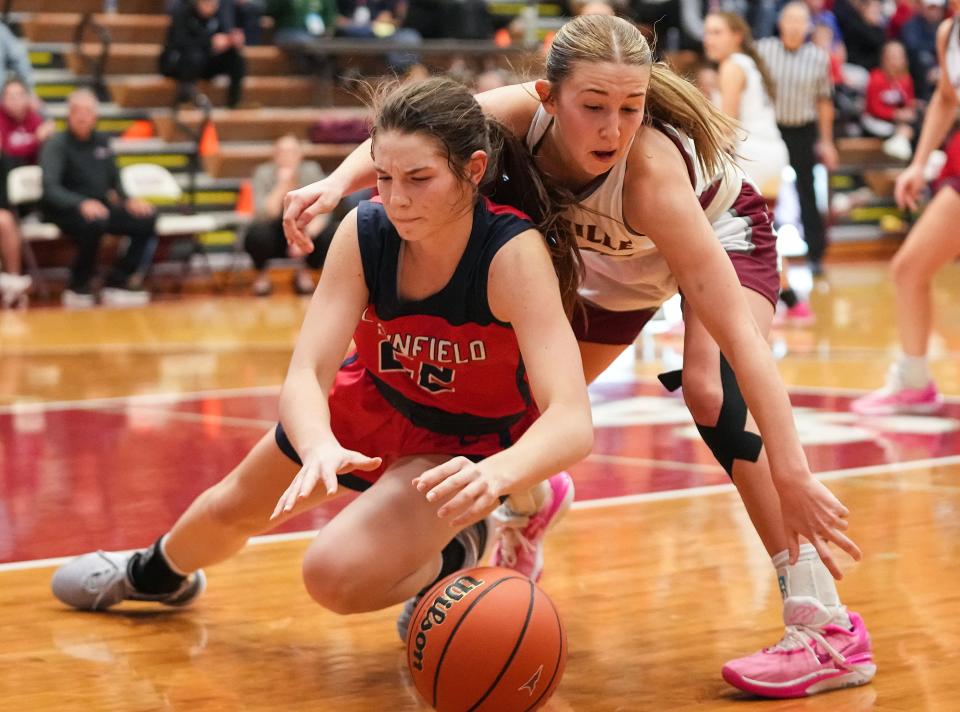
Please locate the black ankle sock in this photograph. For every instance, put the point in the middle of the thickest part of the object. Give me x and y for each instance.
(454, 556)
(789, 297)
(151, 573)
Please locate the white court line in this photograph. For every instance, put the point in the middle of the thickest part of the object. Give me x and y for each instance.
(140, 399)
(172, 347)
(585, 504)
(207, 418)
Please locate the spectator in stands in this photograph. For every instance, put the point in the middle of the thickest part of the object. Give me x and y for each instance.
(823, 37)
(82, 195)
(919, 37)
(22, 130)
(297, 21)
(271, 181)
(863, 29)
(246, 16)
(14, 59)
(904, 10)
(677, 23)
(202, 42)
(820, 15)
(379, 19)
(891, 109)
(804, 109)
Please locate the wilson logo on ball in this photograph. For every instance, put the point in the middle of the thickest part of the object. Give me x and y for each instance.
(437, 613)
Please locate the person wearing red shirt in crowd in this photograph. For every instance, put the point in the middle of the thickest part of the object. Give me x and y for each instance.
(891, 105)
(22, 130)
(905, 9)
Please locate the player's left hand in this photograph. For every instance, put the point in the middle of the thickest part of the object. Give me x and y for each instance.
(812, 511)
(468, 492)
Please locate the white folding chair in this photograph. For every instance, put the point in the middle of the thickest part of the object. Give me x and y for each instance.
(25, 189)
(153, 182)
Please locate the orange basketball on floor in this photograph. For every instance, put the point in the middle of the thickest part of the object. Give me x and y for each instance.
(486, 640)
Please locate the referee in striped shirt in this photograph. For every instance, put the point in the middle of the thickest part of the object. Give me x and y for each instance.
(804, 107)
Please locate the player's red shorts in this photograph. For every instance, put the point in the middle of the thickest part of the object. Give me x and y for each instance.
(363, 420)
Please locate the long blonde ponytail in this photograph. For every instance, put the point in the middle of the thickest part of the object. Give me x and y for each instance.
(675, 101)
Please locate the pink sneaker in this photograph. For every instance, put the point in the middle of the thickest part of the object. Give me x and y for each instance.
(814, 655)
(892, 400)
(801, 314)
(520, 537)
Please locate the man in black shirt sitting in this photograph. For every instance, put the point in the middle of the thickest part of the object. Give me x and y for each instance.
(83, 196)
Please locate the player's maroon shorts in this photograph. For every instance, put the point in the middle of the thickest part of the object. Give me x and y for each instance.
(757, 269)
(362, 419)
(952, 182)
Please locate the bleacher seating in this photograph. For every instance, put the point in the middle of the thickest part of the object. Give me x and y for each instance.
(277, 101)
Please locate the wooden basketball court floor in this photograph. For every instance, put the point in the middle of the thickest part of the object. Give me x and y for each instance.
(112, 421)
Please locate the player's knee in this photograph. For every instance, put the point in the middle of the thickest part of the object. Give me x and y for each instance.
(703, 394)
(332, 580)
(905, 271)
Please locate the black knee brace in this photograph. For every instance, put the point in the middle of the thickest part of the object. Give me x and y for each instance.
(727, 440)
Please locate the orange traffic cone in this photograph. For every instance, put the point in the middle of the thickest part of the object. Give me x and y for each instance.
(209, 141)
(142, 128)
(244, 204)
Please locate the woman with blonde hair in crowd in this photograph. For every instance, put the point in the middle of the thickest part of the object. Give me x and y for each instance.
(745, 92)
(659, 202)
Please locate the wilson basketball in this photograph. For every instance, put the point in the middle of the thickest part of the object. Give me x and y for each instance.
(486, 639)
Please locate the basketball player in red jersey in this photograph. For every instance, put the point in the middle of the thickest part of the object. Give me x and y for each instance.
(466, 384)
(660, 204)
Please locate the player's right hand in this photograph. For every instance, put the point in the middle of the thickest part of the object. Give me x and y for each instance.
(322, 464)
(302, 205)
(908, 187)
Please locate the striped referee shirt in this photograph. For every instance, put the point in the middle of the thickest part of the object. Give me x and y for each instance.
(802, 78)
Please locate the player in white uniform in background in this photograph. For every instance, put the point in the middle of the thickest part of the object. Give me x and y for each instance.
(745, 91)
(659, 203)
(933, 242)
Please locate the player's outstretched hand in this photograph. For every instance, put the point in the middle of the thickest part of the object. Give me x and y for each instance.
(302, 205)
(812, 511)
(468, 492)
(322, 465)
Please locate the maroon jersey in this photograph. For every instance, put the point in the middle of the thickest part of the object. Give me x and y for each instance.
(19, 138)
(444, 362)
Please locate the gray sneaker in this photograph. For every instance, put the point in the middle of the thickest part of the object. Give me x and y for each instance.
(474, 540)
(94, 582)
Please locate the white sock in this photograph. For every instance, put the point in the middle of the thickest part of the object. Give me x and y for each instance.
(913, 371)
(810, 577)
(530, 502)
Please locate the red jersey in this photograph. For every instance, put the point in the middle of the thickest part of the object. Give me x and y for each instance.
(18, 139)
(887, 94)
(444, 362)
